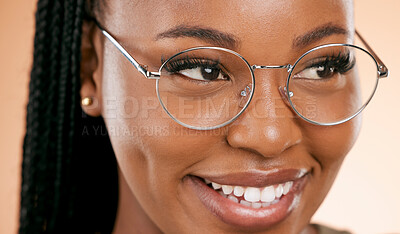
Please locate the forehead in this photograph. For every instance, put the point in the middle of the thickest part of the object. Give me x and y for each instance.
(237, 16)
(259, 25)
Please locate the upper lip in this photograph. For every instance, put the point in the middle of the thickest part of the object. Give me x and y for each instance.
(256, 178)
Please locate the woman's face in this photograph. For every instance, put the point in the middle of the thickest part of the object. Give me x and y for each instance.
(163, 165)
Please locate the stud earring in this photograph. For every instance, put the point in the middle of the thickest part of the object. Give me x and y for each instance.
(87, 101)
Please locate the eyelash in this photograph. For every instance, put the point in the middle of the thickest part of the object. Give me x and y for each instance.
(341, 63)
(190, 63)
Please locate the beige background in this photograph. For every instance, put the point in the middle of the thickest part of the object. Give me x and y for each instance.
(366, 196)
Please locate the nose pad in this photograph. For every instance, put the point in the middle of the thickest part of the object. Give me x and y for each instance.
(245, 95)
(268, 135)
(284, 94)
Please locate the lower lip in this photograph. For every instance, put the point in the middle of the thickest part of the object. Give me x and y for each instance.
(241, 216)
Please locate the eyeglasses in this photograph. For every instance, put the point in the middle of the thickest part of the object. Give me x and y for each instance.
(205, 88)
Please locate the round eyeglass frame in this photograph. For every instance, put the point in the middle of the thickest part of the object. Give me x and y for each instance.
(290, 69)
(359, 110)
(226, 122)
(382, 72)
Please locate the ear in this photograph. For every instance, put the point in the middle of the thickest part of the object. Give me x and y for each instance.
(90, 70)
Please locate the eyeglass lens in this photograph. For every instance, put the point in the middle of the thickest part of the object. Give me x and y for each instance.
(204, 88)
(332, 84)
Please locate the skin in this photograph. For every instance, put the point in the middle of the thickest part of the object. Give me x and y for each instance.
(158, 153)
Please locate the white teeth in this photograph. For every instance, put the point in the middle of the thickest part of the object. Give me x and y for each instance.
(268, 194)
(252, 194)
(265, 204)
(216, 186)
(275, 201)
(287, 187)
(222, 194)
(233, 198)
(238, 191)
(246, 203)
(279, 191)
(256, 205)
(227, 189)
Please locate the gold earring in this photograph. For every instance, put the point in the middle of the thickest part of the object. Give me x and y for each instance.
(87, 101)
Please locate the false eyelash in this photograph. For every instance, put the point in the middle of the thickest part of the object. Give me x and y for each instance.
(189, 63)
(342, 63)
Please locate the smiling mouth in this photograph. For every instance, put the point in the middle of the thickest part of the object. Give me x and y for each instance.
(252, 196)
(250, 200)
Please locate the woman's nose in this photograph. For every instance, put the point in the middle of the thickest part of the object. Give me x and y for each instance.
(268, 125)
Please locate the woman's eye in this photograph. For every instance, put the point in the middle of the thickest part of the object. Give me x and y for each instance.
(204, 73)
(317, 72)
(328, 67)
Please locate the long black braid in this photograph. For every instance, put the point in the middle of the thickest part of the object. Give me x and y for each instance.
(69, 172)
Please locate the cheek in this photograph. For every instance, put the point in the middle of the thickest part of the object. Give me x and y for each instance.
(130, 105)
(131, 110)
(151, 149)
(329, 146)
(331, 143)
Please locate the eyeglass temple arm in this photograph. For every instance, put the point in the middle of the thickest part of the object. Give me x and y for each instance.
(140, 68)
(383, 70)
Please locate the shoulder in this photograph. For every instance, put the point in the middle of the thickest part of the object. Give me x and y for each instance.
(328, 230)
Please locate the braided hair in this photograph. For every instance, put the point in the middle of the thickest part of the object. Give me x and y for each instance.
(69, 173)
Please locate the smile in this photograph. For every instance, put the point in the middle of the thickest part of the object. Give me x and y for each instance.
(250, 200)
(251, 196)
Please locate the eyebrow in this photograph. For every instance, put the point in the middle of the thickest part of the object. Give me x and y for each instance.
(317, 34)
(213, 36)
(227, 40)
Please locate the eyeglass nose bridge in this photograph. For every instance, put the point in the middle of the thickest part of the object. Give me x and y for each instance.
(289, 67)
